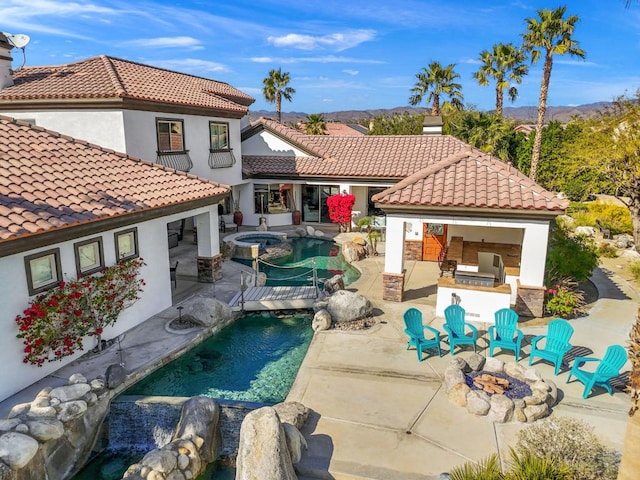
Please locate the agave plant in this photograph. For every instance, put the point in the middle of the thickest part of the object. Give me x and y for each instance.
(488, 469)
(531, 467)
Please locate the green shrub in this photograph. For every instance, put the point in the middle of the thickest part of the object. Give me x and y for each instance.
(572, 443)
(563, 301)
(569, 256)
(614, 217)
(528, 466)
(634, 268)
(488, 469)
(607, 250)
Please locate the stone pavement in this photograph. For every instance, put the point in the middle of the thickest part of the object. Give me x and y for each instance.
(378, 413)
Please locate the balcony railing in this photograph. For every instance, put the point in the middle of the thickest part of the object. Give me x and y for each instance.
(177, 160)
(221, 158)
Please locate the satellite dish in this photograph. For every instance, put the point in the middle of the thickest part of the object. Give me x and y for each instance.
(19, 40)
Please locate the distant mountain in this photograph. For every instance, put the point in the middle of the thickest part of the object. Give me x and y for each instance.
(519, 114)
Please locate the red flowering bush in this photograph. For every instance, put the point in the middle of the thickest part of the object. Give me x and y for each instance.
(340, 208)
(55, 323)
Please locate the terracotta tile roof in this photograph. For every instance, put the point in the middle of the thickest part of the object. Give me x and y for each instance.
(385, 157)
(109, 78)
(471, 179)
(50, 181)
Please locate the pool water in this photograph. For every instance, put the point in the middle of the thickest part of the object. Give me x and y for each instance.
(329, 261)
(255, 359)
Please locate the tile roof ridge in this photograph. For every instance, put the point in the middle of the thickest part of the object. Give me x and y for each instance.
(54, 134)
(118, 85)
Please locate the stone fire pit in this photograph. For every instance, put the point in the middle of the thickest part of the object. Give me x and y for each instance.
(503, 391)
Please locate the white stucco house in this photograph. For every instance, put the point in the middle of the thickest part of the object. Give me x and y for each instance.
(68, 209)
(174, 119)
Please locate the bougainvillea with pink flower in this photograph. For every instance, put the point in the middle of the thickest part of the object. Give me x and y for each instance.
(56, 323)
(340, 208)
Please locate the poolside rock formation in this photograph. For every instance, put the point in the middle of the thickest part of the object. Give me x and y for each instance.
(321, 321)
(334, 284)
(346, 306)
(264, 451)
(353, 252)
(209, 311)
(197, 441)
(52, 436)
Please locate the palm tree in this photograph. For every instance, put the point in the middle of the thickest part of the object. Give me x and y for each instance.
(436, 81)
(315, 124)
(630, 464)
(549, 34)
(504, 64)
(275, 89)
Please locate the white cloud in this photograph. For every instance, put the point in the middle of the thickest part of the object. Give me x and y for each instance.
(336, 41)
(470, 61)
(189, 43)
(351, 72)
(580, 63)
(322, 59)
(192, 65)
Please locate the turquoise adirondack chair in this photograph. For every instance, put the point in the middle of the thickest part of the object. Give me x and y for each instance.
(556, 343)
(457, 328)
(415, 331)
(609, 367)
(505, 333)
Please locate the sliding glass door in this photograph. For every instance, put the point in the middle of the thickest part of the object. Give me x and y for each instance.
(314, 202)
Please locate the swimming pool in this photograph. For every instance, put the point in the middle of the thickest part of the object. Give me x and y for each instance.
(255, 359)
(326, 254)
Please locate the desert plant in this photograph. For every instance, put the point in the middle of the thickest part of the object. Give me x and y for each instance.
(488, 469)
(528, 466)
(634, 268)
(569, 256)
(570, 442)
(607, 250)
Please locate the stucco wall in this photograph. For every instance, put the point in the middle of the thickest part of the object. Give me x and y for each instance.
(265, 143)
(102, 127)
(14, 297)
(142, 142)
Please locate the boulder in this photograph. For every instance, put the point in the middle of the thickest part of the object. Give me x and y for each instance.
(478, 402)
(209, 311)
(552, 399)
(311, 231)
(200, 419)
(501, 410)
(70, 392)
(163, 461)
(346, 306)
(359, 241)
(353, 252)
(532, 375)
(115, 376)
(46, 429)
(19, 409)
(458, 394)
(8, 424)
(584, 230)
(72, 410)
(319, 233)
(320, 304)
(296, 442)
(515, 370)
(536, 412)
(623, 240)
(77, 378)
(294, 413)
(461, 364)
(631, 253)
(262, 450)
(17, 450)
(321, 321)
(452, 376)
(476, 361)
(493, 365)
(42, 412)
(301, 231)
(334, 284)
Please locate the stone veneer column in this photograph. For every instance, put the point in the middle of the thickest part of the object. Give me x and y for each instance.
(393, 286)
(530, 300)
(209, 269)
(413, 250)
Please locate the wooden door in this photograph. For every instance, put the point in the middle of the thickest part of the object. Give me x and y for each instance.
(434, 238)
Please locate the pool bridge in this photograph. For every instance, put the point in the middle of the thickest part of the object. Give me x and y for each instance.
(278, 297)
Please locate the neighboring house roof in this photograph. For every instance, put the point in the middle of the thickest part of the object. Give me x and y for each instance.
(337, 128)
(525, 128)
(51, 182)
(383, 157)
(125, 83)
(471, 179)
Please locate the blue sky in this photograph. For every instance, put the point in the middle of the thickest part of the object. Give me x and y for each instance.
(341, 55)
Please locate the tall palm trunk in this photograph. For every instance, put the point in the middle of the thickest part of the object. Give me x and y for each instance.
(630, 465)
(279, 106)
(435, 108)
(542, 110)
(499, 101)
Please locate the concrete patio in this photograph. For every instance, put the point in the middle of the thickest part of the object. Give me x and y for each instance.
(378, 413)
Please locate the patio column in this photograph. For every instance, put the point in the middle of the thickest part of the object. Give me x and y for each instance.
(530, 285)
(209, 258)
(394, 274)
